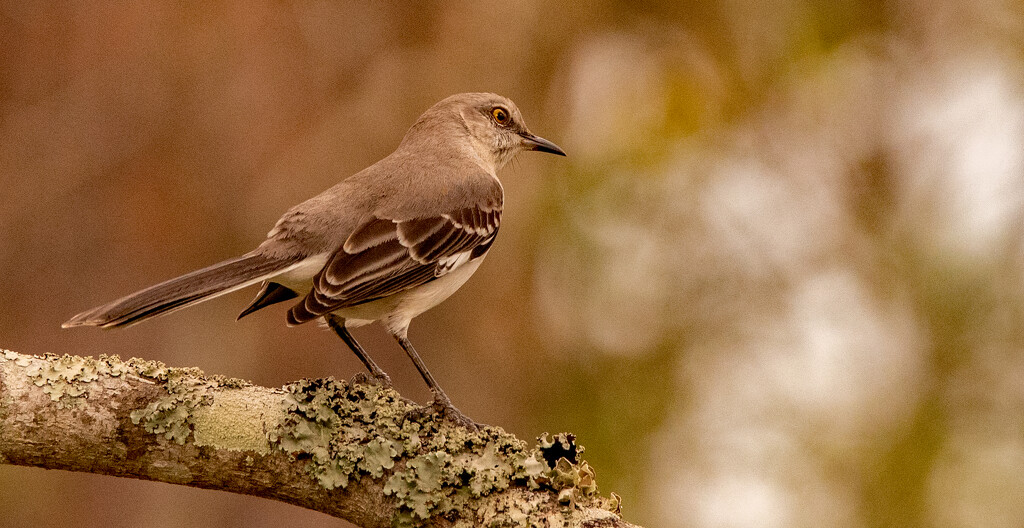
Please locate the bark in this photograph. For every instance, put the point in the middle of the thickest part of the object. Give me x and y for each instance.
(351, 450)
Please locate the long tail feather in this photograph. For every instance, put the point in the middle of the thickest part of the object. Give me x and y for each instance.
(184, 291)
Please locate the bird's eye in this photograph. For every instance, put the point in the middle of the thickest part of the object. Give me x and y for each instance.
(500, 116)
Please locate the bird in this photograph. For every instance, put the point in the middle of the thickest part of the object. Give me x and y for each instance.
(383, 245)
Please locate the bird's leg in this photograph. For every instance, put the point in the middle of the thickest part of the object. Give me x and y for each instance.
(338, 325)
(441, 402)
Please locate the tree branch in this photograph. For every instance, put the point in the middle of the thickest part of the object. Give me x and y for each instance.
(351, 450)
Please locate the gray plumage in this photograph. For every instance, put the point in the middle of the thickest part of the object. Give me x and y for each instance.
(383, 245)
(182, 292)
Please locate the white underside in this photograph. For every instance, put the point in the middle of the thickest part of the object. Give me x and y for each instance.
(396, 311)
(299, 277)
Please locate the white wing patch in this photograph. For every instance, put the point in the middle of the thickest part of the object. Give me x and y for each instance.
(447, 265)
(483, 227)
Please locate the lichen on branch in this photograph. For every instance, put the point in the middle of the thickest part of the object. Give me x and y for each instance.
(353, 450)
(432, 468)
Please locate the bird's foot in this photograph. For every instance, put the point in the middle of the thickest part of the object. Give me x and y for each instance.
(374, 378)
(443, 406)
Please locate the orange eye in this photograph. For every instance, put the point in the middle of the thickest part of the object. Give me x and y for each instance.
(500, 116)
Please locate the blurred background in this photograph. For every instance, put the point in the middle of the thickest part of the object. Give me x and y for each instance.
(776, 283)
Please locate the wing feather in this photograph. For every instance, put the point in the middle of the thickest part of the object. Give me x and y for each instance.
(344, 268)
(414, 232)
(371, 233)
(385, 256)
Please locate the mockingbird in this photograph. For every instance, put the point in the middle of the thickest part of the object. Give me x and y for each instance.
(385, 244)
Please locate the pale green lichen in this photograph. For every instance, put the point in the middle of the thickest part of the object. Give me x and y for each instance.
(67, 378)
(514, 510)
(227, 422)
(342, 429)
(614, 504)
(188, 406)
(378, 456)
(431, 467)
(180, 411)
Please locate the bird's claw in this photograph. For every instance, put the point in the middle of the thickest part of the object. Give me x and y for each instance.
(443, 406)
(379, 378)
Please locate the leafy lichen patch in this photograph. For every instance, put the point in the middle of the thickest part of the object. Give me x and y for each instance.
(343, 430)
(169, 416)
(67, 378)
(570, 476)
(349, 433)
(431, 467)
(175, 414)
(558, 446)
(515, 510)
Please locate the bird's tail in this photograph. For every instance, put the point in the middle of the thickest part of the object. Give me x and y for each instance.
(184, 291)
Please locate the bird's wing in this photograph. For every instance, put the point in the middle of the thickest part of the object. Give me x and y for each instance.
(384, 256)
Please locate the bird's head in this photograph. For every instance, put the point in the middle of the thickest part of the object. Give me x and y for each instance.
(488, 124)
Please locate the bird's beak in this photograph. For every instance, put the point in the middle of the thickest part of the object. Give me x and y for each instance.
(532, 142)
